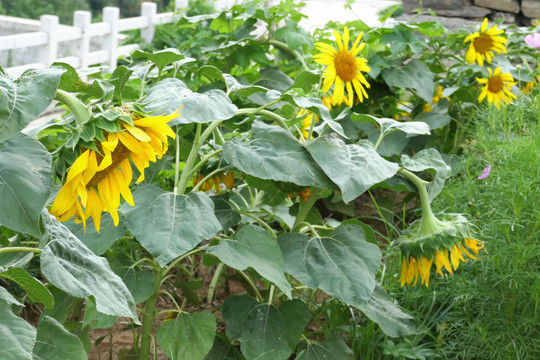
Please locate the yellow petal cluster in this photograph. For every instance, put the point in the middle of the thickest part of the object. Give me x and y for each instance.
(96, 180)
(484, 43)
(415, 268)
(497, 87)
(343, 68)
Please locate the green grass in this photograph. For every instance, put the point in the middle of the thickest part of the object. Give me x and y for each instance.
(490, 308)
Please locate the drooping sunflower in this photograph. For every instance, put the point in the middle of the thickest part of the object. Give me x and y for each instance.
(445, 244)
(497, 88)
(484, 43)
(97, 179)
(344, 69)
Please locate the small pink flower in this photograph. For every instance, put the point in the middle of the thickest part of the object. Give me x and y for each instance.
(533, 40)
(485, 173)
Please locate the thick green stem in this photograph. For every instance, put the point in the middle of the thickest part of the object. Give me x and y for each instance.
(429, 222)
(80, 111)
(253, 111)
(200, 139)
(20, 249)
(149, 314)
(177, 163)
(213, 283)
(305, 207)
(294, 53)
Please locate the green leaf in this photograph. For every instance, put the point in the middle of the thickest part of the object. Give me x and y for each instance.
(22, 100)
(273, 78)
(37, 292)
(415, 75)
(167, 225)
(294, 35)
(353, 167)
(306, 80)
(97, 242)
(94, 318)
(72, 82)
(25, 181)
(234, 85)
(427, 159)
(18, 336)
(388, 126)
(274, 154)
(119, 78)
(254, 247)
(73, 268)
(160, 58)
(169, 95)
(224, 212)
(54, 342)
(265, 332)
(138, 281)
(5, 295)
(382, 309)
(343, 264)
(224, 350)
(333, 349)
(434, 120)
(316, 106)
(188, 336)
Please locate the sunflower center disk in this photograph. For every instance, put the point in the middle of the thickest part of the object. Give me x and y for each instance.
(119, 154)
(345, 65)
(483, 43)
(495, 84)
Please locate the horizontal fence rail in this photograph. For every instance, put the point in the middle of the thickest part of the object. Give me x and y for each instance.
(80, 40)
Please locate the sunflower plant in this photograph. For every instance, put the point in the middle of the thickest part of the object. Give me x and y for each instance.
(203, 194)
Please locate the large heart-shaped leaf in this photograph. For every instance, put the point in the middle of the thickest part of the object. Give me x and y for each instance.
(25, 181)
(54, 342)
(343, 264)
(274, 154)
(139, 282)
(170, 94)
(101, 241)
(22, 100)
(429, 159)
(35, 290)
(169, 225)
(333, 349)
(382, 309)
(73, 268)
(254, 247)
(387, 126)
(265, 332)
(188, 336)
(18, 336)
(353, 167)
(415, 75)
(160, 58)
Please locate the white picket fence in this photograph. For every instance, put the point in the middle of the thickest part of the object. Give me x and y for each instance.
(80, 37)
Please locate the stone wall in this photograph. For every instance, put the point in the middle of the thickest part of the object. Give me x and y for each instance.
(520, 12)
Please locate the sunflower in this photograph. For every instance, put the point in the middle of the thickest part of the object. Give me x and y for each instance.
(497, 88)
(97, 179)
(483, 44)
(414, 268)
(343, 69)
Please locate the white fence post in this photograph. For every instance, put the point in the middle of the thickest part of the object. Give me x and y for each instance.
(82, 20)
(180, 4)
(111, 16)
(49, 52)
(149, 11)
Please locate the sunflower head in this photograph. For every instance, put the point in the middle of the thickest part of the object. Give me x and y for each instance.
(484, 43)
(101, 175)
(497, 87)
(429, 240)
(344, 69)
